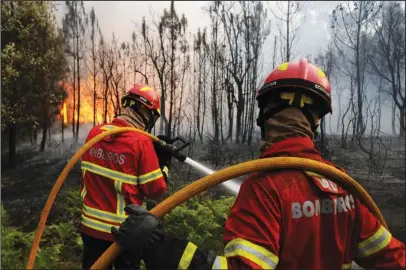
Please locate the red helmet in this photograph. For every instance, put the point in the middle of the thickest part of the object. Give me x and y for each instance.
(296, 83)
(145, 95)
(299, 76)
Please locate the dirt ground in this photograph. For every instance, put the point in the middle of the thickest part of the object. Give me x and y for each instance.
(388, 188)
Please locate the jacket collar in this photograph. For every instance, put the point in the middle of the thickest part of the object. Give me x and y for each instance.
(120, 122)
(293, 147)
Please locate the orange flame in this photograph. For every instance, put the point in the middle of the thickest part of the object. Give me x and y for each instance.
(65, 114)
(86, 104)
(87, 113)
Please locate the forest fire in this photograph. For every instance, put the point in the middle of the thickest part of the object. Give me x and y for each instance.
(86, 105)
(87, 114)
(64, 112)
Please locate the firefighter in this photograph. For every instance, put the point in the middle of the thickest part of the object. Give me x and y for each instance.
(285, 219)
(120, 170)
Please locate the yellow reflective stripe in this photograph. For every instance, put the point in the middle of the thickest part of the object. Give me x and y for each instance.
(375, 243)
(187, 256)
(149, 177)
(257, 254)
(166, 171)
(220, 263)
(120, 199)
(305, 99)
(104, 215)
(83, 173)
(97, 225)
(84, 191)
(115, 175)
(108, 127)
(288, 96)
(347, 266)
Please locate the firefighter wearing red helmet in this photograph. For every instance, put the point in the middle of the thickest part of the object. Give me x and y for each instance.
(120, 170)
(286, 219)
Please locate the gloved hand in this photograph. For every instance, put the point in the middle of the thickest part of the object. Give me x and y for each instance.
(140, 231)
(164, 156)
(150, 203)
(141, 234)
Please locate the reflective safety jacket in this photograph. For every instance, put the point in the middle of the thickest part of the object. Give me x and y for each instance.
(119, 170)
(290, 219)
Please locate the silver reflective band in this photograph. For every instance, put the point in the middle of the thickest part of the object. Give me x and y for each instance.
(102, 214)
(120, 199)
(375, 243)
(97, 225)
(143, 179)
(220, 263)
(252, 252)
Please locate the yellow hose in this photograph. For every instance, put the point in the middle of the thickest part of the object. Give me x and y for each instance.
(201, 185)
(245, 168)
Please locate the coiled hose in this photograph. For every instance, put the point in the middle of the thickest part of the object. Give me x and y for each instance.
(199, 186)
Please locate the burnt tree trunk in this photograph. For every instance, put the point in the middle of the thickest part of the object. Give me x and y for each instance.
(12, 143)
(44, 137)
(78, 77)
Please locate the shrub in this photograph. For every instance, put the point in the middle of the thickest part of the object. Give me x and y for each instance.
(14, 244)
(67, 205)
(60, 246)
(200, 221)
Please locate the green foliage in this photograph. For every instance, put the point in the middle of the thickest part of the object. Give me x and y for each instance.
(200, 221)
(68, 205)
(62, 247)
(14, 244)
(33, 64)
(61, 244)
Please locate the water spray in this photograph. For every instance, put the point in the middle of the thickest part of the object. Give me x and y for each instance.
(232, 185)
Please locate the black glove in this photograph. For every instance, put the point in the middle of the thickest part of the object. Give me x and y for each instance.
(150, 203)
(141, 234)
(164, 156)
(139, 231)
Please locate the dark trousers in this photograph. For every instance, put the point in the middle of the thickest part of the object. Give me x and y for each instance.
(93, 248)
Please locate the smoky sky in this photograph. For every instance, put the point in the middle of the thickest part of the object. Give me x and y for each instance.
(313, 22)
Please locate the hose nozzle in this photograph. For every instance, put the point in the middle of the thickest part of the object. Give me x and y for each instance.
(170, 147)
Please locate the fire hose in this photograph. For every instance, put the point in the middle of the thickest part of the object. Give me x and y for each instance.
(199, 186)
